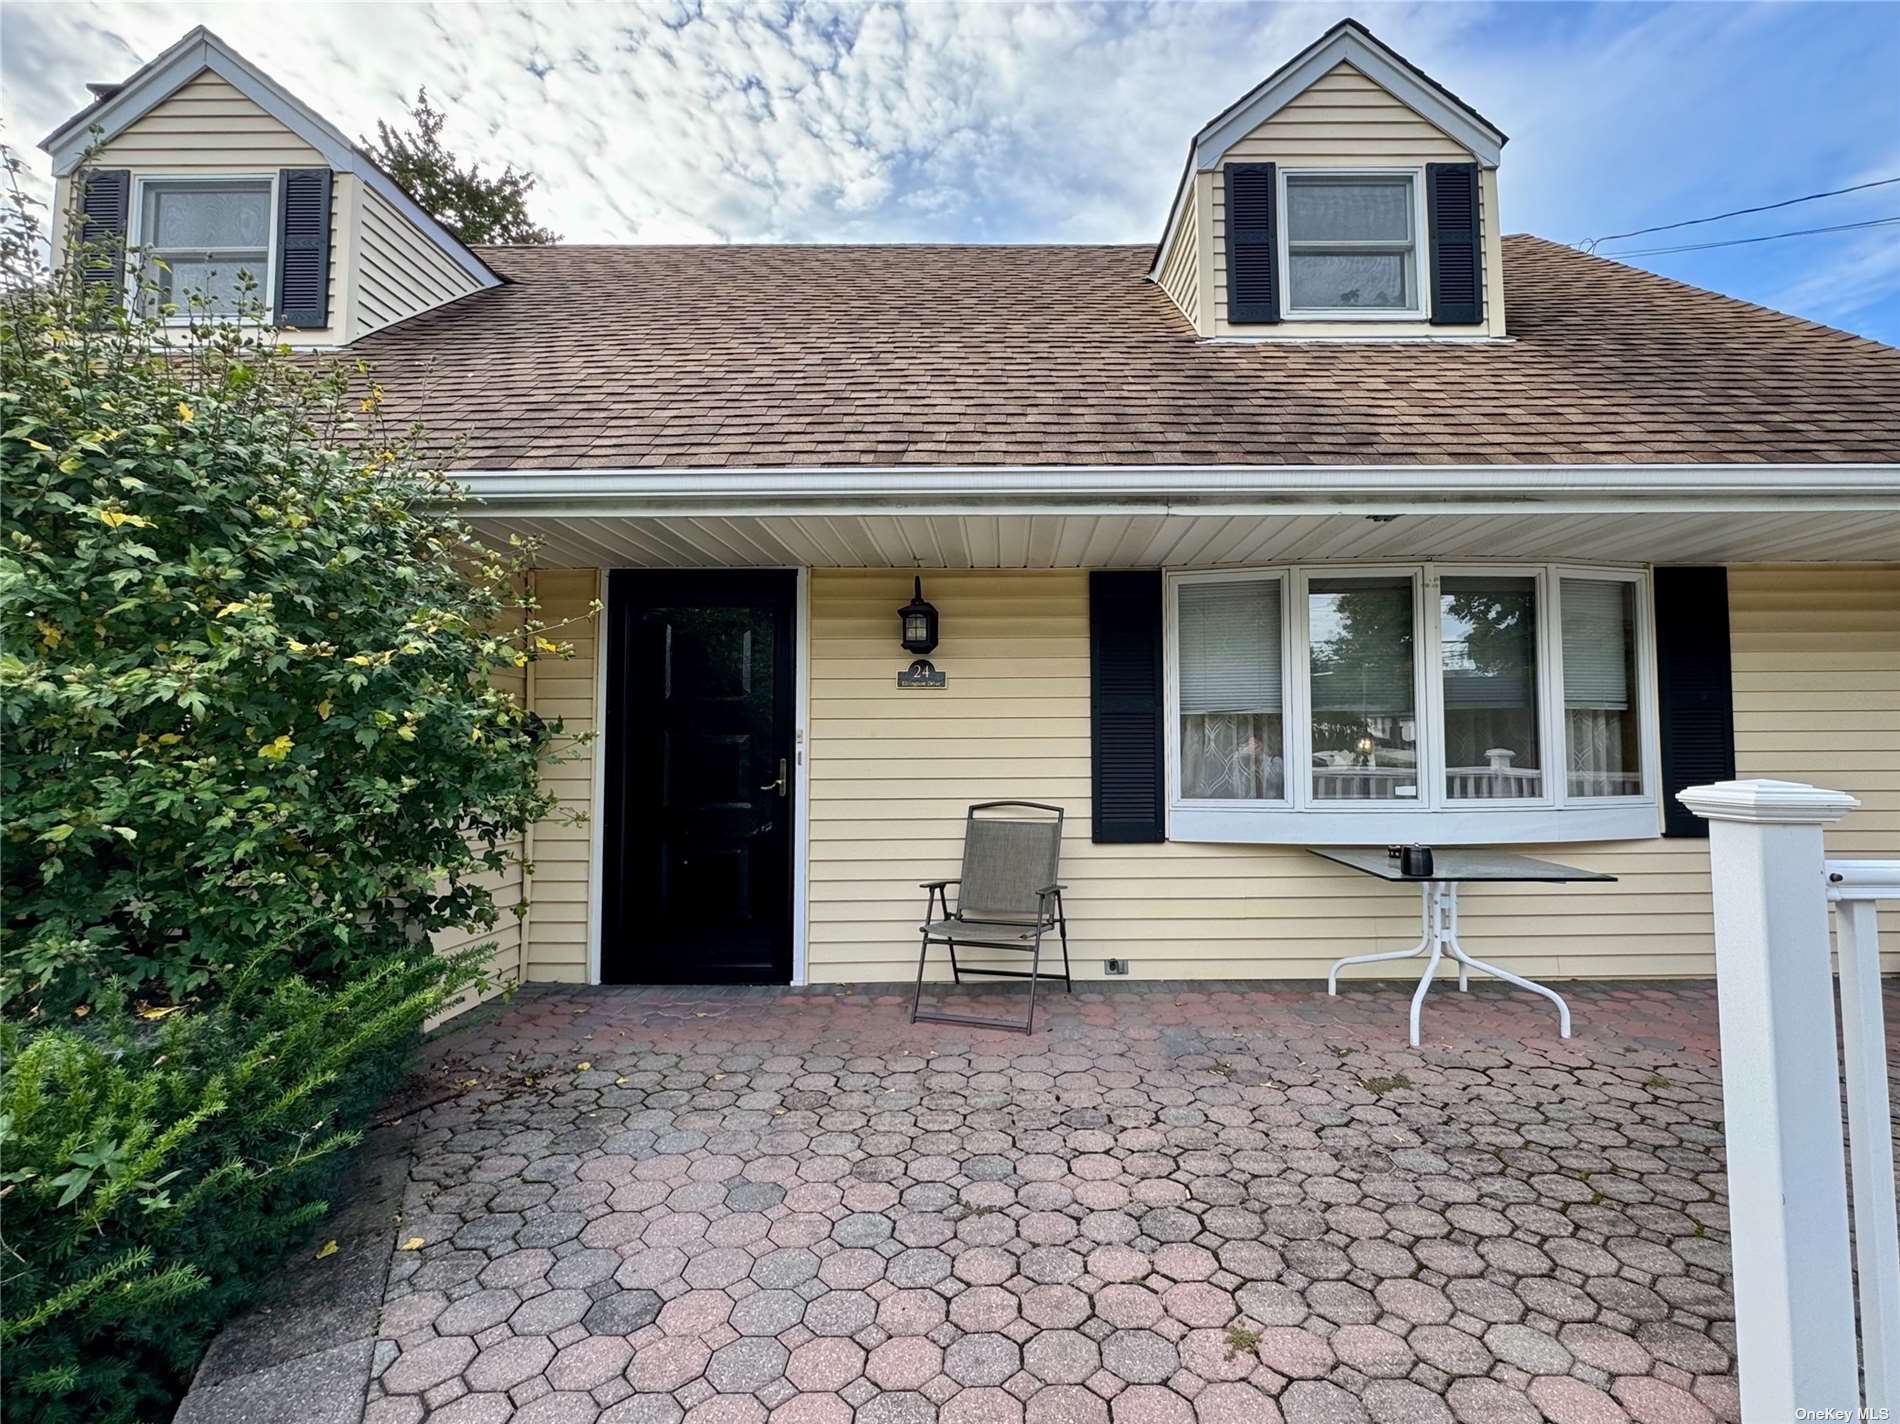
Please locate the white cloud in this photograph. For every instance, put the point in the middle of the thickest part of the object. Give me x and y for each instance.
(824, 121)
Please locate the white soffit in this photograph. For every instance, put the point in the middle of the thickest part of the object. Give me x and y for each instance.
(201, 51)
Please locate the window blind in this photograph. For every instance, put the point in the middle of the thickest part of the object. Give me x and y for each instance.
(1230, 646)
(1596, 636)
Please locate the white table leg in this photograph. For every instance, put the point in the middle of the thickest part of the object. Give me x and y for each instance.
(1466, 962)
(1434, 934)
(1425, 941)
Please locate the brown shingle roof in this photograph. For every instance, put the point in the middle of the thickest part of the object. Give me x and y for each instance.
(641, 357)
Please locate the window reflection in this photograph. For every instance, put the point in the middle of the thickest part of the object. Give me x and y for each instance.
(1488, 661)
(1365, 711)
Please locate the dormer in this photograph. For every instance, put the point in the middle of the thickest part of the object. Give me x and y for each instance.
(201, 159)
(1346, 197)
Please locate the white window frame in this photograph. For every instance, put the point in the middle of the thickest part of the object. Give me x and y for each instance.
(1415, 177)
(1299, 818)
(135, 232)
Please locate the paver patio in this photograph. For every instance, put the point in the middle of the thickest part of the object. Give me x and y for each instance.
(1230, 1204)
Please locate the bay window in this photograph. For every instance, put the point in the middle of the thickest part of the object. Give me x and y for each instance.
(1440, 703)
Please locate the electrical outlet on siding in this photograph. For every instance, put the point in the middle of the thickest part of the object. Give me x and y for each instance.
(1114, 966)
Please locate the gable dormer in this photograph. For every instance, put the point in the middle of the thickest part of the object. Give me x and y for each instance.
(203, 160)
(1348, 196)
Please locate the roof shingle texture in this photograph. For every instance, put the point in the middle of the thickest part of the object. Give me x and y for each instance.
(705, 357)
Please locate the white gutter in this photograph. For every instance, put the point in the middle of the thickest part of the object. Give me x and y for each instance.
(1202, 489)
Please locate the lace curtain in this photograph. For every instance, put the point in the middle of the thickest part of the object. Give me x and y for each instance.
(1232, 756)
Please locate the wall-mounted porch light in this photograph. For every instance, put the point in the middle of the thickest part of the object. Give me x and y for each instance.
(919, 621)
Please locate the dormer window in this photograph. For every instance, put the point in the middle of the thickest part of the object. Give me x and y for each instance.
(211, 241)
(1352, 243)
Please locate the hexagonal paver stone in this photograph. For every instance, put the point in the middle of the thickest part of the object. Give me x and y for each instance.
(1140, 1356)
(1150, 1404)
(1372, 1351)
(475, 1313)
(902, 1407)
(1571, 1401)
(507, 1363)
(1061, 1356)
(1065, 1404)
(1396, 1401)
(1296, 1353)
(840, 1313)
(463, 1409)
(547, 1313)
(755, 1196)
(825, 1364)
(982, 1406)
(695, 1312)
(718, 1268)
(428, 1364)
(1447, 1348)
(785, 1268)
(862, 1228)
(906, 1362)
(982, 1359)
(1319, 1402)
(1532, 1351)
(768, 1312)
(1485, 1401)
(517, 1268)
(1234, 1402)
(1271, 1303)
(746, 1365)
(1654, 1401)
(590, 1362)
(665, 1365)
(584, 1268)
(808, 1409)
(623, 1312)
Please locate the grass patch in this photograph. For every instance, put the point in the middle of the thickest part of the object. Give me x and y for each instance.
(1242, 1341)
(1379, 1087)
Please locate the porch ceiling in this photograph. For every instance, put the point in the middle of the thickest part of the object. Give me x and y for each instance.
(836, 539)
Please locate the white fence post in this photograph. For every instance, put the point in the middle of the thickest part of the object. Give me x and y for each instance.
(1781, 1096)
(1856, 887)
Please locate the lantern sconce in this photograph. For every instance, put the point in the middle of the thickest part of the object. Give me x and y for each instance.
(920, 623)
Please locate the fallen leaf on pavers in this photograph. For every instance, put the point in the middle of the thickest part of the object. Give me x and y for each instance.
(414, 1243)
(582, 1067)
(620, 1082)
(471, 1082)
(718, 1076)
(328, 1248)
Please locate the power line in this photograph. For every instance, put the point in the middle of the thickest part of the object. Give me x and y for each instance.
(1590, 244)
(1742, 241)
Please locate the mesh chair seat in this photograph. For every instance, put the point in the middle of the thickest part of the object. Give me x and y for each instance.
(1007, 898)
(1010, 936)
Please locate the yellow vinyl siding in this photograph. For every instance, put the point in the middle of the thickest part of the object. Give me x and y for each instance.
(558, 885)
(892, 771)
(209, 129)
(1345, 120)
(1816, 653)
(399, 271)
(1817, 690)
(1181, 270)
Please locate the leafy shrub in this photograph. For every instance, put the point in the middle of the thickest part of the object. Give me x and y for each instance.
(248, 656)
(152, 1173)
(256, 748)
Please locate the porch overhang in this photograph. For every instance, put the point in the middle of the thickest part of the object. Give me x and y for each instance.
(1065, 517)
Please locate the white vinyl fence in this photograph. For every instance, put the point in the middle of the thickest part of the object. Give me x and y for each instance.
(1783, 1069)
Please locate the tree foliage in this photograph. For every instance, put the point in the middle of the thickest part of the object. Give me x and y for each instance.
(475, 208)
(256, 749)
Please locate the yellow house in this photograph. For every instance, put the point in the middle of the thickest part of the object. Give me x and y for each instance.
(1336, 518)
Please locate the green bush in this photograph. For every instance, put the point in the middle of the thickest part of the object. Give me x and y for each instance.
(153, 1173)
(256, 750)
(249, 660)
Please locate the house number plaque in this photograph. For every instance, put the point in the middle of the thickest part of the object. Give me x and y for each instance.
(921, 674)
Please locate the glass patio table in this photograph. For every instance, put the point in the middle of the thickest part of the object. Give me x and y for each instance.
(1438, 912)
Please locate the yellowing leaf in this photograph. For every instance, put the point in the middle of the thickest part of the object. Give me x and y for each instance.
(295, 646)
(50, 634)
(113, 518)
(582, 1067)
(414, 1243)
(328, 1248)
(324, 709)
(161, 1011)
(231, 608)
(37, 445)
(184, 414)
(358, 660)
(166, 739)
(57, 834)
(82, 1011)
(276, 749)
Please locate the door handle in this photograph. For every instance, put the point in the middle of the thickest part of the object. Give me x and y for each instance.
(779, 785)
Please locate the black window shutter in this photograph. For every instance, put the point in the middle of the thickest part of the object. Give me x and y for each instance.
(1253, 278)
(1451, 199)
(303, 248)
(1125, 706)
(1694, 689)
(104, 202)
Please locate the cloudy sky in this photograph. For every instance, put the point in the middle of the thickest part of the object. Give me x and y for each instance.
(1068, 123)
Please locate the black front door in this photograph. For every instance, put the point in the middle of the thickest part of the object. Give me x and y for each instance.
(698, 888)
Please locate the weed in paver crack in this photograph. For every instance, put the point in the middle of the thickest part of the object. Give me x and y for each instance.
(1223, 1068)
(1379, 1087)
(1242, 1341)
(1655, 1080)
